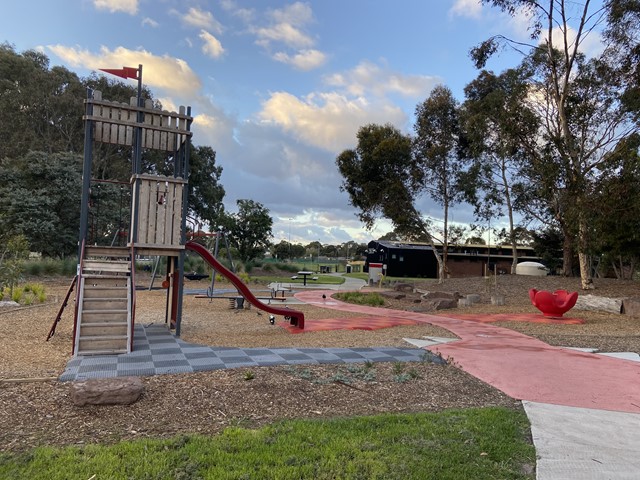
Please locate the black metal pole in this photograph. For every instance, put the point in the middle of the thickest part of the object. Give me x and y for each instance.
(183, 227)
(86, 172)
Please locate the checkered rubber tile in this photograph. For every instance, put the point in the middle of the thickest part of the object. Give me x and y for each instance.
(157, 352)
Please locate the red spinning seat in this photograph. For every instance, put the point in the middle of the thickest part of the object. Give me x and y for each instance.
(553, 304)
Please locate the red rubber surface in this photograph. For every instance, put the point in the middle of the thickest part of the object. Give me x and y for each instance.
(523, 367)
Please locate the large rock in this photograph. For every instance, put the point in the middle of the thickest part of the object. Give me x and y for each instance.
(442, 303)
(107, 391)
(393, 295)
(403, 287)
(631, 306)
(449, 295)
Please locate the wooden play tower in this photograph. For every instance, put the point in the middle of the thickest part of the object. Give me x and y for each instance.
(105, 297)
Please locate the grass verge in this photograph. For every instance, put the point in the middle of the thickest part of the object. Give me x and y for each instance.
(476, 443)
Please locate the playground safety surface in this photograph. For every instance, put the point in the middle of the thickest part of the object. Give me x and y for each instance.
(157, 351)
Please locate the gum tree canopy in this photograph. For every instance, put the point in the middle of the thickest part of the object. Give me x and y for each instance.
(586, 99)
(383, 180)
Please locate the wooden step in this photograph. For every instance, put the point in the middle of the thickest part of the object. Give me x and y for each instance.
(104, 251)
(102, 342)
(115, 266)
(95, 304)
(95, 280)
(104, 316)
(96, 291)
(102, 329)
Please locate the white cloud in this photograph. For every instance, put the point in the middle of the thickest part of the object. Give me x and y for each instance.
(590, 44)
(369, 78)
(466, 8)
(150, 22)
(211, 46)
(163, 72)
(326, 120)
(303, 60)
(286, 27)
(283, 33)
(126, 6)
(245, 14)
(198, 18)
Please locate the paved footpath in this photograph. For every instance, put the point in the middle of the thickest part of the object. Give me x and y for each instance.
(584, 408)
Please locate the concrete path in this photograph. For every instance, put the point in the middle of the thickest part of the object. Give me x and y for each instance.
(581, 444)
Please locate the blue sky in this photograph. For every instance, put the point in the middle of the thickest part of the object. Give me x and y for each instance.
(277, 88)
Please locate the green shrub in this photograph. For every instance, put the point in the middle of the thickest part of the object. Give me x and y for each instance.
(287, 267)
(51, 267)
(69, 266)
(34, 268)
(370, 299)
(18, 293)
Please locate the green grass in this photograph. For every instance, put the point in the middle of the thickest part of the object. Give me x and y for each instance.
(370, 299)
(482, 443)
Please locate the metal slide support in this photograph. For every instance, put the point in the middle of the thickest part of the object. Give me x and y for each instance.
(185, 211)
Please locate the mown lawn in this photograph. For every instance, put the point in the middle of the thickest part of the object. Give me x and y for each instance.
(482, 443)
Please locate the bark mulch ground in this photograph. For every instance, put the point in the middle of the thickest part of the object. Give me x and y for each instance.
(37, 412)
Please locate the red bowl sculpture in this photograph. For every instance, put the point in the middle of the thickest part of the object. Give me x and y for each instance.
(553, 304)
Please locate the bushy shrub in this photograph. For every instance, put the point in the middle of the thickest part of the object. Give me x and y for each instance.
(18, 294)
(51, 267)
(33, 268)
(370, 299)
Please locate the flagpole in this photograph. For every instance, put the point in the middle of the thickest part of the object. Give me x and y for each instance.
(137, 160)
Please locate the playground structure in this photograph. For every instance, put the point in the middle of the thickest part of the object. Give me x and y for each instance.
(105, 305)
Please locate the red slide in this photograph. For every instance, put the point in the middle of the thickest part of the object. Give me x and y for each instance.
(295, 317)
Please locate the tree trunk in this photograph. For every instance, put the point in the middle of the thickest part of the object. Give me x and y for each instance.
(586, 280)
(445, 243)
(567, 254)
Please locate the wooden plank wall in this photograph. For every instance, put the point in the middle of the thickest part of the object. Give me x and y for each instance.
(160, 211)
(115, 123)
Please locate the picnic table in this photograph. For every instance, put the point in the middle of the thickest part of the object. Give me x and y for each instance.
(304, 274)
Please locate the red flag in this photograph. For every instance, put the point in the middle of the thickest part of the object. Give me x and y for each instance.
(124, 72)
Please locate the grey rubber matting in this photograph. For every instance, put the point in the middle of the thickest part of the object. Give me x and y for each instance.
(157, 351)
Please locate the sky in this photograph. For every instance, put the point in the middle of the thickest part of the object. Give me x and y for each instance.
(277, 88)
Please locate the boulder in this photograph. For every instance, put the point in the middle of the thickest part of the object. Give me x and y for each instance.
(497, 299)
(107, 391)
(403, 287)
(442, 303)
(393, 295)
(449, 295)
(631, 306)
(473, 298)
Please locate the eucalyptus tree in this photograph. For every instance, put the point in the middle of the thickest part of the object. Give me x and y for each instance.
(249, 229)
(617, 202)
(439, 162)
(585, 104)
(382, 180)
(500, 131)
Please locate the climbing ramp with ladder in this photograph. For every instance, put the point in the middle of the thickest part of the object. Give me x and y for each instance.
(104, 310)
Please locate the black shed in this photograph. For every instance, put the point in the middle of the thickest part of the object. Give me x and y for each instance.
(403, 259)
